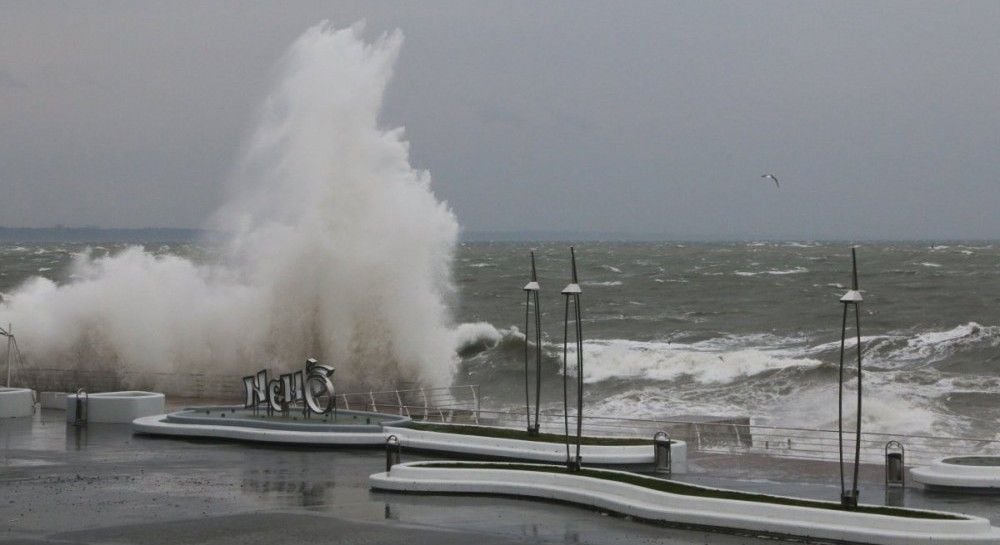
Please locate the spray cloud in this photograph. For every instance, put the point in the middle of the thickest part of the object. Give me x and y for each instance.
(335, 248)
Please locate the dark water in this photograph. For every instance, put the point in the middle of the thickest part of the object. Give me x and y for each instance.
(754, 329)
(733, 329)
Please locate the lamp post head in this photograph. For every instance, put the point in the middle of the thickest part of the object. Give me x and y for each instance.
(852, 296)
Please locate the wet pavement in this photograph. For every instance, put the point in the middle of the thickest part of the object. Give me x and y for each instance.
(101, 484)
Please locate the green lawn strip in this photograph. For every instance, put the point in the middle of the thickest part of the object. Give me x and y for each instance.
(693, 490)
(510, 433)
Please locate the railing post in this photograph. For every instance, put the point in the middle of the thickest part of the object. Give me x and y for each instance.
(399, 399)
(371, 396)
(475, 401)
(427, 411)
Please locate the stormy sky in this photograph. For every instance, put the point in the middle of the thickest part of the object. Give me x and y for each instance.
(881, 119)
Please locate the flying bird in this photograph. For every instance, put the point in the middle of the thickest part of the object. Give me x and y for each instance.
(773, 177)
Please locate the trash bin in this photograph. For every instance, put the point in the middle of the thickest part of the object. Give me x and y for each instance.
(895, 468)
(661, 452)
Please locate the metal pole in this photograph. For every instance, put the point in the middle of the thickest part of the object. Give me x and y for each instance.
(527, 399)
(538, 359)
(531, 290)
(840, 400)
(10, 340)
(579, 374)
(579, 361)
(475, 400)
(853, 297)
(857, 321)
(565, 388)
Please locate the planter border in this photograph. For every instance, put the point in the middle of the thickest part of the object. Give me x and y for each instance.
(16, 402)
(483, 446)
(727, 515)
(950, 476)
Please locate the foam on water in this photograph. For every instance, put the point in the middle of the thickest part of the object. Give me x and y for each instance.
(796, 270)
(615, 359)
(337, 249)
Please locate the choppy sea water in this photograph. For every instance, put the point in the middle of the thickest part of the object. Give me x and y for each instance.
(723, 329)
(752, 329)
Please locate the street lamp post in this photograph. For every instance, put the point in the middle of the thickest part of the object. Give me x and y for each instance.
(572, 292)
(531, 290)
(849, 498)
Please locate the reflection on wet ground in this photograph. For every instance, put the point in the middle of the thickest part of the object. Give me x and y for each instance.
(103, 484)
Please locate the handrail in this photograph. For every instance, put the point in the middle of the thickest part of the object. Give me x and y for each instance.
(736, 437)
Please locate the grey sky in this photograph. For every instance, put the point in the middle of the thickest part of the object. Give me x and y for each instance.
(882, 120)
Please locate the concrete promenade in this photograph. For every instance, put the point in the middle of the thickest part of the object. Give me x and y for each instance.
(101, 484)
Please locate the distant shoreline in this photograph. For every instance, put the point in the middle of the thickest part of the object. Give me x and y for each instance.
(184, 235)
(98, 234)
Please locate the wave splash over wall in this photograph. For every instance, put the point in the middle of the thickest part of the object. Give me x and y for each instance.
(336, 248)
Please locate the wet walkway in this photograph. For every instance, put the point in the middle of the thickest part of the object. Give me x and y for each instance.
(102, 484)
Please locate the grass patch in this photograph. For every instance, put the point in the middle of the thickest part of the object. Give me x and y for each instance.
(523, 435)
(694, 490)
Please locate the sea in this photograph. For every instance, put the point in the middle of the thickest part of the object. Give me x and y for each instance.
(728, 329)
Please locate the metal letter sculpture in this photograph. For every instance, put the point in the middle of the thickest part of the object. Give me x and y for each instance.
(317, 385)
(313, 388)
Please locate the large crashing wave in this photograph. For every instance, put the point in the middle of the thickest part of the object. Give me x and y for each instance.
(336, 248)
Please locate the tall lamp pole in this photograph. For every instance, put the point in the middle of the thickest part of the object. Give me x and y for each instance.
(10, 342)
(572, 291)
(531, 290)
(849, 498)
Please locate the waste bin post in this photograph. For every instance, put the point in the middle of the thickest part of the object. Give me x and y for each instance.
(895, 464)
(393, 451)
(661, 452)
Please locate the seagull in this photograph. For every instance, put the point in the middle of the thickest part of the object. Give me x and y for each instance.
(773, 177)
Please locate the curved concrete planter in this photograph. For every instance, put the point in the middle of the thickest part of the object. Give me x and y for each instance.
(16, 402)
(347, 420)
(53, 400)
(974, 473)
(162, 425)
(117, 407)
(679, 509)
(536, 451)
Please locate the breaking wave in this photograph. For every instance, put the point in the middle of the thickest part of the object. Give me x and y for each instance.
(336, 249)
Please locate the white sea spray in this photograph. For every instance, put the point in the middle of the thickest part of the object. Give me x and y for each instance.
(336, 248)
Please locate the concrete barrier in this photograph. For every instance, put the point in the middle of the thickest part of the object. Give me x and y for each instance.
(53, 400)
(117, 407)
(974, 473)
(16, 402)
(161, 425)
(757, 517)
(536, 451)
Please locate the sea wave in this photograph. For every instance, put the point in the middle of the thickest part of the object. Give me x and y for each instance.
(475, 337)
(796, 270)
(662, 361)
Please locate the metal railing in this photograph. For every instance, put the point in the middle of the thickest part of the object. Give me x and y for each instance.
(463, 404)
(741, 436)
(451, 404)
